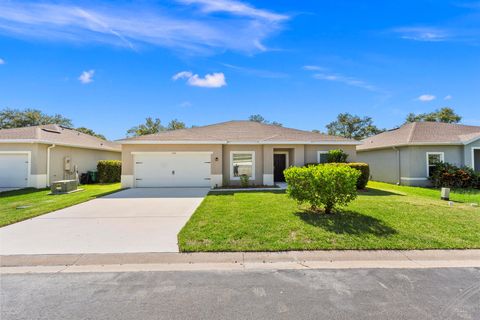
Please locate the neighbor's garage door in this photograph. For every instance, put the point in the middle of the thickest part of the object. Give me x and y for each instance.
(13, 170)
(172, 169)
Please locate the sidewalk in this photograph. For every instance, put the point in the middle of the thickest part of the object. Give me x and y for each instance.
(347, 259)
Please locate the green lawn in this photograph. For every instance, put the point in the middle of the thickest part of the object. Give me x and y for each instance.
(383, 217)
(27, 203)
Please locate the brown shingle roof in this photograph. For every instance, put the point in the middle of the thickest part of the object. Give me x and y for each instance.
(239, 131)
(55, 134)
(422, 133)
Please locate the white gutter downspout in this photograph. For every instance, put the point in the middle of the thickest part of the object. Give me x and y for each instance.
(399, 170)
(48, 164)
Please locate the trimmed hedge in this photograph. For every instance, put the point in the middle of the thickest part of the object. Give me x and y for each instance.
(109, 171)
(364, 169)
(328, 185)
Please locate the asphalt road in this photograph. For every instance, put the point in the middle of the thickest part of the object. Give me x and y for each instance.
(294, 294)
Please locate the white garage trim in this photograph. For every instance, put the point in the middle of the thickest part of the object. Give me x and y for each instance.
(152, 169)
(29, 164)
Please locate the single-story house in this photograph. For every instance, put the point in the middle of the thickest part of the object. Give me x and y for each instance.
(217, 155)
(35, 156)
(405, 155)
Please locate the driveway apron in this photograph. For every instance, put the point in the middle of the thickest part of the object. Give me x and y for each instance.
(133, 220)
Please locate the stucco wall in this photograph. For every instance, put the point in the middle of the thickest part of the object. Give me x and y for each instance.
(383, 164)
(84, 159)
(127, 157)
(468, 154)
(311, 151)
(413, 163)
(417, 158)
(258, 149)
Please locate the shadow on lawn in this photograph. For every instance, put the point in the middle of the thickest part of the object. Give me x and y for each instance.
(347, 222)
(378, 192)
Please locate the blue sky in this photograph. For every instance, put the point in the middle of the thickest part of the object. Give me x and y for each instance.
(108, 65)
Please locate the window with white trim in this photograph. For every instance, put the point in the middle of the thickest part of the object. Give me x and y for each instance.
(432, 159)
(242, 162)
(322, 156)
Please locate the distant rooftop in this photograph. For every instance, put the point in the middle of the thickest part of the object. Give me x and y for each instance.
(55, 134)
(240, 131)
(419, 133)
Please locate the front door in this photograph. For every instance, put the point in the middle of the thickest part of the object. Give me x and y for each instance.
(279, 164)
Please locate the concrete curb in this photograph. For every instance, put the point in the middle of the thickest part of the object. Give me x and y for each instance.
(239, 260)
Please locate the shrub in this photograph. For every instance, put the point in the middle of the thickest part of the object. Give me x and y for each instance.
(448, 175)
(337, 156)
(244, 181)
(109, 171)
(364, 173)
(326, 185)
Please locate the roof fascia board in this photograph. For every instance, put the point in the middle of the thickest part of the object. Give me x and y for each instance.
(12, 141)
(240, 142)
(412, 144)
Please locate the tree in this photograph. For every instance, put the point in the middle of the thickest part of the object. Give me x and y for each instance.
(16, 118)
(257, 118)
(91, 132)
(260, 119)
(150, 126)
(446, 115)
(328, 185)
(353, 127)
(176, 124)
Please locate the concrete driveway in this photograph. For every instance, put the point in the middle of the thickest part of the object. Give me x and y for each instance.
(133, 220)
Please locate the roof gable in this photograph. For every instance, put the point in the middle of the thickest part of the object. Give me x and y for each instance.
(238, 132)
(423, 133)
(55, 134)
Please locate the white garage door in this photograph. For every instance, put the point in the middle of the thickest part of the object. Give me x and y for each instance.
(13, 170)
(172, 169)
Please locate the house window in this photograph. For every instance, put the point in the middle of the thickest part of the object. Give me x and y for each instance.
(322, 156)
(242, 162)
(432, 159)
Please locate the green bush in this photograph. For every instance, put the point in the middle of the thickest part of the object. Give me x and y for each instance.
(364, 173)
(448, 175)
(109, 171)
(337, 156)
(244, 181)
(327, 185)
(360, 166)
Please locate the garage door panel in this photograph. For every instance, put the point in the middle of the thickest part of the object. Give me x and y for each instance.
(172, 170)
(13, 170)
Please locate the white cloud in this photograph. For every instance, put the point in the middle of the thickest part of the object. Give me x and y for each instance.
(448, 97)
(235, 8)
(86, 76)
(185, 104)
(313, 68)
(2, 61)
(213, 80)
(188, 25)
(346, 80)
(427, 34)
(426, 97)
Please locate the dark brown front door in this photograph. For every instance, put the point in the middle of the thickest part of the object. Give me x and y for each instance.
(279, 164)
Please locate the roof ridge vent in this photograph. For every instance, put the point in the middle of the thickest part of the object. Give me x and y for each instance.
(53, 128)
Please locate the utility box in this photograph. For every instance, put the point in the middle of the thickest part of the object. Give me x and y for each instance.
(445, 194)
(64, 186)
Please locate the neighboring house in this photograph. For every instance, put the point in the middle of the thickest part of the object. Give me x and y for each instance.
(405, 155)
(35, 156)
(216, 155)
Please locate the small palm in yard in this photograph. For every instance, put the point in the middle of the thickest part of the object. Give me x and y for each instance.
(328, 186)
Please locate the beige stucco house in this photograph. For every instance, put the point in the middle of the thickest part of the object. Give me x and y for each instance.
(35, 156)
(217, 155)
(405, 155)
